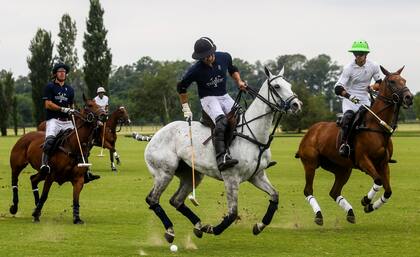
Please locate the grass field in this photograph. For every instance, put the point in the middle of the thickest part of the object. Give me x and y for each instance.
(118, 222)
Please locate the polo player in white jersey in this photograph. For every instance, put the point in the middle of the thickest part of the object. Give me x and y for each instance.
(353, 86)
(101, 99)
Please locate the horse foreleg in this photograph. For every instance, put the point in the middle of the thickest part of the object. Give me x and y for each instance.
(366, 201)
(177, 200)
(261, 181)
(232, 188)
(161, 182)
(45, 190)
(77, 188)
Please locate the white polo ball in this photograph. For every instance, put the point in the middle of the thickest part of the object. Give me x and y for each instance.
(173, 248)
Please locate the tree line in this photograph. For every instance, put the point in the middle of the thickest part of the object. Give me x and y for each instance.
(147, 88)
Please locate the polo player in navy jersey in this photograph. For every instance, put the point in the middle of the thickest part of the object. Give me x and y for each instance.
(58, 100)
(209, 73)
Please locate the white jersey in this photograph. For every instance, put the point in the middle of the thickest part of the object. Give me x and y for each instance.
(101, 102)
(356, 80)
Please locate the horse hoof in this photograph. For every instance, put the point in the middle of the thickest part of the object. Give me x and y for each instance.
(169, 235)
(350, 216)
(78, 221)
(368, 208)
(319, 220)
(13, 209)
(118, 162)
(258, 227)
(36, 219)
(198, 233)
(365, 200)
(207, 229)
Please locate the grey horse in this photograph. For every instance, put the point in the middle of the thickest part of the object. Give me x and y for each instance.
(169, 153)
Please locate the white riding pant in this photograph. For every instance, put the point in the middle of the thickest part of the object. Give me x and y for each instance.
(217, 105)
(349, 105)
(54, 126)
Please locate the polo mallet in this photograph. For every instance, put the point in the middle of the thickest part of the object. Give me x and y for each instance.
(381, 122)
(192, 196)
(103, 141)
(84, 164)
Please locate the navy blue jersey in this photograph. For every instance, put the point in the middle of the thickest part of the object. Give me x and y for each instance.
(62, 96)
(211, 81)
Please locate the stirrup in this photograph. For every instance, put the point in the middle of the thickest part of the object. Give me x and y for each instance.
(224, 162)
(45, 169)
(344, 150)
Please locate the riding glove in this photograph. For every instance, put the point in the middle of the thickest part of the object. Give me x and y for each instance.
(354, 99)
(67, 110)
(187, 111)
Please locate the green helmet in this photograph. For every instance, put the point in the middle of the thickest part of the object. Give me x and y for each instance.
(360, 46)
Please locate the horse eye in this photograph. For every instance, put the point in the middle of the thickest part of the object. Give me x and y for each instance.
(277, 86)
(392, 82)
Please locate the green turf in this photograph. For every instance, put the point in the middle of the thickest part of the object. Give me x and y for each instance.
(118, 222)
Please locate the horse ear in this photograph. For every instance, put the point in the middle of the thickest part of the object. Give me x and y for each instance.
(384, 71)
(400, 70)
(267, 71)
(84, 98)
(281, 71)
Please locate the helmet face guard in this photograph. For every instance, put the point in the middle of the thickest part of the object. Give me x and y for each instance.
(360, 46)
(203, 47)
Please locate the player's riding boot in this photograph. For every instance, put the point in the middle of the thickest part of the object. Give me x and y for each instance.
(45, 168)
(223, 158)
(90, 176)
(344, 149)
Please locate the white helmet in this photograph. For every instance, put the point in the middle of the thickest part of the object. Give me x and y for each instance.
(100, 90)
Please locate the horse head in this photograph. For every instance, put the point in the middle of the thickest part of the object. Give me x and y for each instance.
(394, 87)
(92, 112)
(122, 116)
(282, 93)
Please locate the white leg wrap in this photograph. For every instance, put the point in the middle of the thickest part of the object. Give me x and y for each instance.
(314, 204)
(14, 187)
(36, 189)
(378, 203)
(343, 203)
(375, 188)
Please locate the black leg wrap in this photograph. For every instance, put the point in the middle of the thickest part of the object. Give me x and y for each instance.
(15, 196)
(188, 213)
(162, 215)
(226, 222)
(76, 207)
(272, 208)
(378, 182)
(387, 195)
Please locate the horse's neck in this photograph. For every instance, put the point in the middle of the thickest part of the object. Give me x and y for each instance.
(84, 130)
(261, 126)
(383, 110)
(112, 122)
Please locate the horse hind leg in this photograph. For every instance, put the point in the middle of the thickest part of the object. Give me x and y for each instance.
(261, 181)
(341, 177)
(162, 180)
(16, 169)
(35, 179)
(184, 189)
(308, 192)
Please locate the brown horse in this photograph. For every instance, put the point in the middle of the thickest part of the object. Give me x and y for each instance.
(372, 148)
(63, 162)
(118, 118)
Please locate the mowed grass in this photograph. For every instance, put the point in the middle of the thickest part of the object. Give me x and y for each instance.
(119, 223)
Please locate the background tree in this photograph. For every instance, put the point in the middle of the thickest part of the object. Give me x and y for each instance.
(416, 105)
(66, 49)
(6, 99)
(97, 55)
(24, 106)
(39, 64)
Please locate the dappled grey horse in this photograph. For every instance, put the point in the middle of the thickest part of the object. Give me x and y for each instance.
(169, 153)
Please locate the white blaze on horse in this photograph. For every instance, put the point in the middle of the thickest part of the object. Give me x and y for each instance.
(169, 154)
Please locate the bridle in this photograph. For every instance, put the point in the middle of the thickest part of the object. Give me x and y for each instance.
(278, 108)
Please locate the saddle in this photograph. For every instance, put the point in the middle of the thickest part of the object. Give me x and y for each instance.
(59, 142)
(356, 125)
(233, 120)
